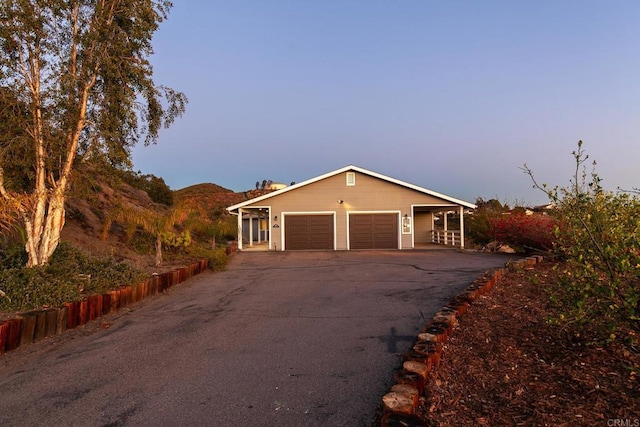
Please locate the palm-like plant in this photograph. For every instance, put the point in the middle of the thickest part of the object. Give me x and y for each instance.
(151, 221)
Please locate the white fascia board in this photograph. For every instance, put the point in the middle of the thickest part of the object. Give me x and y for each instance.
(286, 189)
(415, 187)
(357, 169)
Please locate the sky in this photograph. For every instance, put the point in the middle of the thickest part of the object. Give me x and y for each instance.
(453, 96)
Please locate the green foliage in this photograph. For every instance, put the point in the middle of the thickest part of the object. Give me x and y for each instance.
(222, 229)
(216, 258)
(76, 84)
(176, 241)
(599, 237)
(154, 186)
(12, 255)
(226, 229)
(69, 276)
(479, 226)
(142, 242)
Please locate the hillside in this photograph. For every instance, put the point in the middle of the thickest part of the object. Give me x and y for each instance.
(87, 209)
(212, 199)
(89, 206)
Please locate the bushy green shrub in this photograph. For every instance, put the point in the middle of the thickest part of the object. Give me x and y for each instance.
(143, 242)
(223, 229)
(70, 275)
(227, 229)
(12, 255)
(176, 240)
(217, 258)
(154, 186)
(599, 237)
(157, 190)
(479, 227)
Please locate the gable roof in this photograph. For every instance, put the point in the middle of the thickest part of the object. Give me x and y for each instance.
(354, 169)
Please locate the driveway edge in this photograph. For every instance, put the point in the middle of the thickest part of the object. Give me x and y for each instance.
(400, 403)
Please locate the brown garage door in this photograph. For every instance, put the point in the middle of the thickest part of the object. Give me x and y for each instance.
(373, 231)
(305, 232)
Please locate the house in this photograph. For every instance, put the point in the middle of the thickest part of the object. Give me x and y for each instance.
(349, 208)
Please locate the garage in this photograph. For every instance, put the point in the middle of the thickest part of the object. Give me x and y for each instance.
(349, 208)
(308, 232)
(373, 231)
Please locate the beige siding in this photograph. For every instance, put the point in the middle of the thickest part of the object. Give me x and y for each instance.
(422, 227)
(370, 194)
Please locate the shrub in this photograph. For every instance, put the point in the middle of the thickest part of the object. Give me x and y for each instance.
(600, 241)
(223, 229)
(227, 229)
(12, 255)
(526, 232)
(70, 275)
(173, 240)
(217, 258)
(154, 186)
(479, 226)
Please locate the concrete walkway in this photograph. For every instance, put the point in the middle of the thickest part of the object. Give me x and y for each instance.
(279, 339)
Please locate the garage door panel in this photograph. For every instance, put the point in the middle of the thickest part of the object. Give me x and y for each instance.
(309, 232)
(373, 231)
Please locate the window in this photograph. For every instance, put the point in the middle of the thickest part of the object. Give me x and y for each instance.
(351, 179)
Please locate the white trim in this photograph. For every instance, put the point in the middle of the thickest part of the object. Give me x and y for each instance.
(434, 205)
(292, 213)
(356, 169)
(351, 182)
(239, 237)
(399, 213)
(413, 229)
(461, 227)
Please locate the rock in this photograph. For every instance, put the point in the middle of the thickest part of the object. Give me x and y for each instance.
(505, 249)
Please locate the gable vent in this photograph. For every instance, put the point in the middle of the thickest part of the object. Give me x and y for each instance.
(351, 179)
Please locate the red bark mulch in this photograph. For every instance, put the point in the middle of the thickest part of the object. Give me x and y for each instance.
(507, 365)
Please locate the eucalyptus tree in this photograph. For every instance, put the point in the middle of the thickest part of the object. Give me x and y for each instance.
(76, 83)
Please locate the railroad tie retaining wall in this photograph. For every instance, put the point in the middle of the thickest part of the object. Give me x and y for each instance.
(33, 326)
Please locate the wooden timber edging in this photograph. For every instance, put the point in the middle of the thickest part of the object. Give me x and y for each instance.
(400, 403)
(33, 326)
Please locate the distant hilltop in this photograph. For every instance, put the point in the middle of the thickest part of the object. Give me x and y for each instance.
(213, 197)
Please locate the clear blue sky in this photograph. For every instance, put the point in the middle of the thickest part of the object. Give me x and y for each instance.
(449, 95)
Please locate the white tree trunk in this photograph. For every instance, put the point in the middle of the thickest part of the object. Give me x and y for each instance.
(44, 227)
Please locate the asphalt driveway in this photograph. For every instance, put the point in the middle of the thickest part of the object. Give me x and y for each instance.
(278, 339)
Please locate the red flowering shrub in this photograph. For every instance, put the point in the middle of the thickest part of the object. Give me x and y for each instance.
(528, 232)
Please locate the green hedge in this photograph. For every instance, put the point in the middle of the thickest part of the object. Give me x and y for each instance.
(71, 275)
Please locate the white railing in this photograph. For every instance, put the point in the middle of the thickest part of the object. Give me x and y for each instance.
(445, 237)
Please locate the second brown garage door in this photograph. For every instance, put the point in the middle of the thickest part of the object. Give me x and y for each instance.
(373, 231)
(306, 232)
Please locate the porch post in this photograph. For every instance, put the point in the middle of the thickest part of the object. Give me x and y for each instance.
(433, 229)
(461, 227)
(446, 235)
(250, 229)
(267, 233)
(239, 229)
(259, 227)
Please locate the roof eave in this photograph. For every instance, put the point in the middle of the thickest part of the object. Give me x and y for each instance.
(358, 169)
